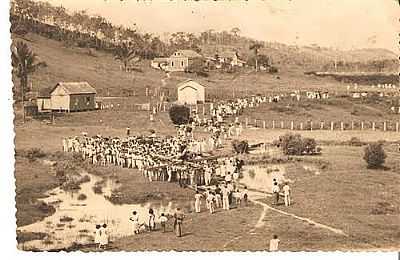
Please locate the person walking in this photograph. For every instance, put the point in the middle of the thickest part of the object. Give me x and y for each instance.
(287, 194)
(197, 202)
(152, 220)
(210, 201)
(135, 220)
(178, 216)
(163, 222)
(275, 192)
(97, 236)
(104, 237)
(225, 198)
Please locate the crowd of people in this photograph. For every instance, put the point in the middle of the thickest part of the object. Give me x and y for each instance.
(173, 159)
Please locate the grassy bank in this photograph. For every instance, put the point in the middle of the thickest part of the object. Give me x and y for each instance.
(33, 180)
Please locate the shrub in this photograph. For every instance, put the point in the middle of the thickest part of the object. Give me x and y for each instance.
(179, 115)
(374, 155)
(240, 146)
(294, 144)
(355, 141)
(309, 145)
(291, 144)
(82, 197)
(33, 154)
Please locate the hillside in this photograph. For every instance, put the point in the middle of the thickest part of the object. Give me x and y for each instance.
(103, 72)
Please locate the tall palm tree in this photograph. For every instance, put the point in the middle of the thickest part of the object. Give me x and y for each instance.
(124, 54)
(255, 47)
(24, 63)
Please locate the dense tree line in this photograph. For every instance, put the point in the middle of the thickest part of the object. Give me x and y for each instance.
(84, 30)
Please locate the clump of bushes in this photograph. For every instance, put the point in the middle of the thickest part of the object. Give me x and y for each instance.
(240, 147)
(355, 141)
(33, 154)
(45, 208)
(294, 144)
(66, 219)
(82, 197)
(179, 115)
(374, 155)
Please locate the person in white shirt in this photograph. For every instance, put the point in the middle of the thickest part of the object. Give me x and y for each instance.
(274, 244)
(225, 198)
(197, 202)
(210, 201)
(287, 194)
(104, 236)
(275, 191)
(97, 237)
(163, 221)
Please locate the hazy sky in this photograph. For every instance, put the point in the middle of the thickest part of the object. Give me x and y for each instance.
(336, 23)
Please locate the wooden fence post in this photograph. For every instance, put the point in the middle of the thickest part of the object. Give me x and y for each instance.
(397, 126)
(247, 122)
(301, 126)
(322, 126)
(373, 126)
(311, 125)
(282, 124)
(362, 125)
(384, 126)
(273, 124)
(204, 109)
(292, 125)
(352, 125)
(255, 122)
(332, 125)
(342, 126)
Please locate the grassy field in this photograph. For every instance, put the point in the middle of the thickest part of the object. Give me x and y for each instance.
(334, 109)
(340, 196)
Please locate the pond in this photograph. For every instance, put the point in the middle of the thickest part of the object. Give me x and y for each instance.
(76, 217)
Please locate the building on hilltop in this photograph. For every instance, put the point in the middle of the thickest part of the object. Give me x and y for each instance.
(180, 60)
(191, 92)
(73, 96)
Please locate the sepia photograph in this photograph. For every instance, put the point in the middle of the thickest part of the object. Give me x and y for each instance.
(206, 125)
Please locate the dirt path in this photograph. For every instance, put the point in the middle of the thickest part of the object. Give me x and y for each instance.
(260, 222)
(309, 221)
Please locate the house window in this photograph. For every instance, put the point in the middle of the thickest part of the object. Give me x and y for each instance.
(182, 63)
(87, 99)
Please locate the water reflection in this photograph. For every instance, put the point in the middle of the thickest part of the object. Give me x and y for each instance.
(75, 218)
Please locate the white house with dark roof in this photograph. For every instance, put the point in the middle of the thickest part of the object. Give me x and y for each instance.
(182, 59)
(73, 96)
(191, 92)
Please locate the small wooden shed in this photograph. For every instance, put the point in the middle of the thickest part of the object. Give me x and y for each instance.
(191, 92)
(73, 96)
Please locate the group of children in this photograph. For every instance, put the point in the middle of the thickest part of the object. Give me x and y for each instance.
(101, 236)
